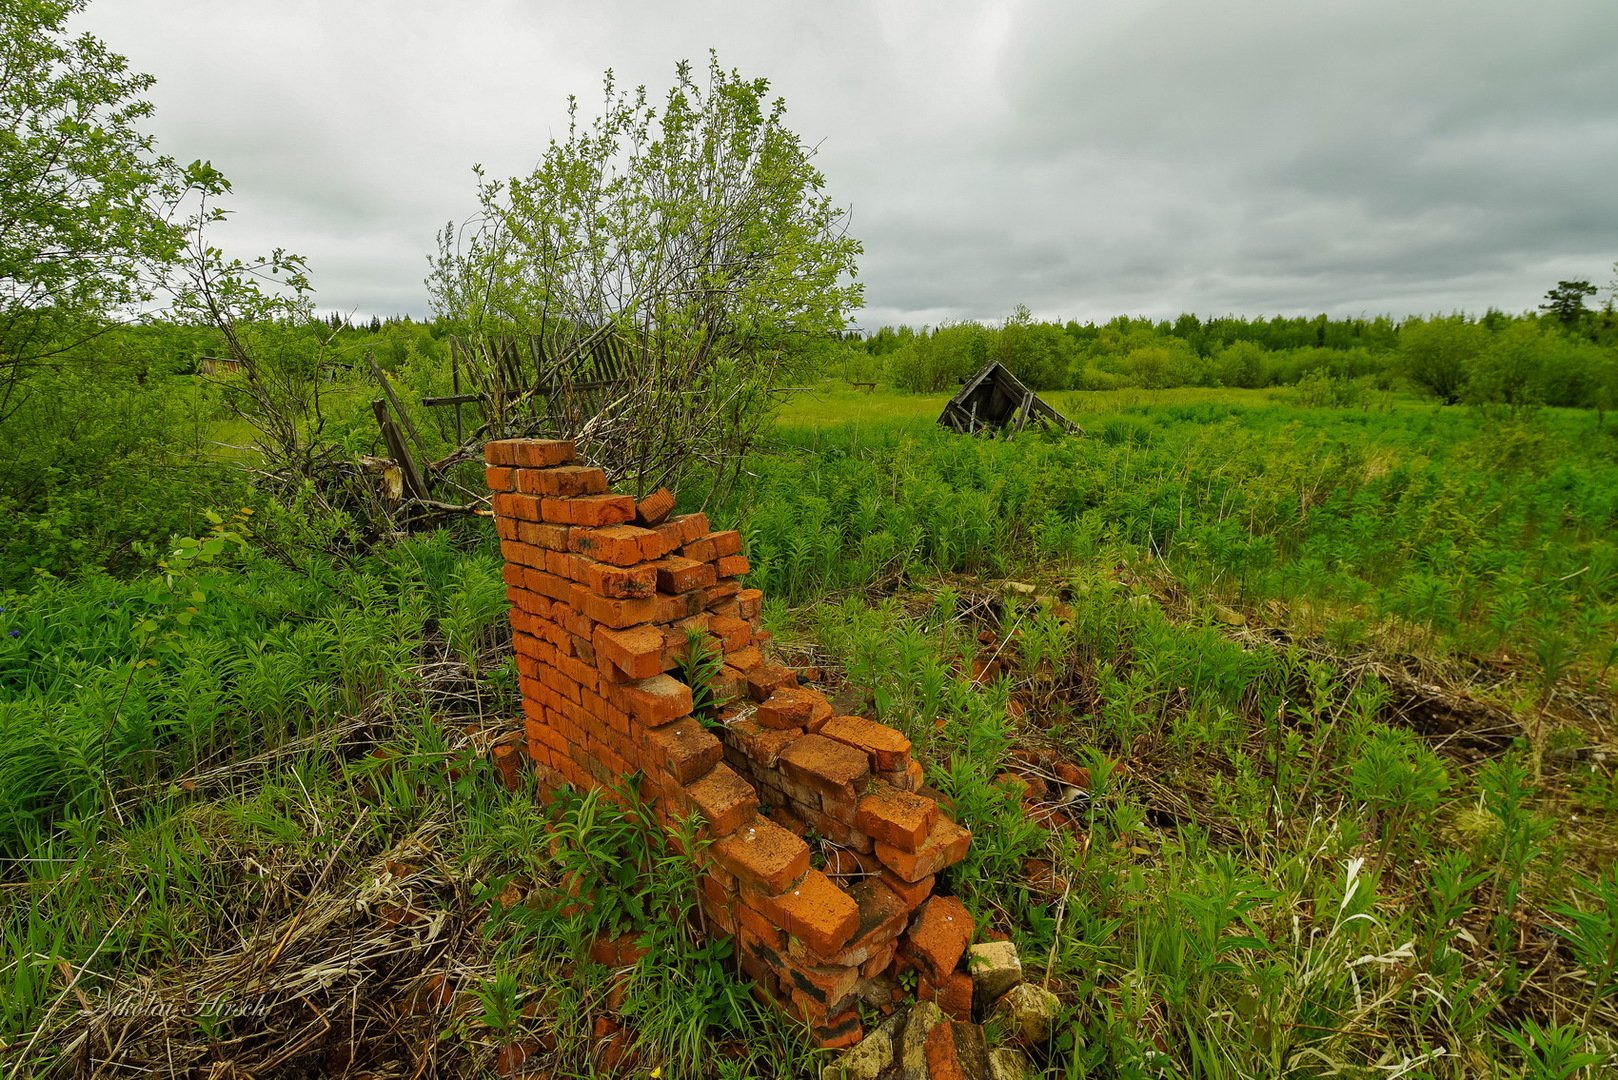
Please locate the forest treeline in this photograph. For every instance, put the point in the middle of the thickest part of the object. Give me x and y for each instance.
(1566, 356)
(131, 405)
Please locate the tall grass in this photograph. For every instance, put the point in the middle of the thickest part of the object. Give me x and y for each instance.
(1433, 530)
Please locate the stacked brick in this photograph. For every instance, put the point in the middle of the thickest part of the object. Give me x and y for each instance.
(606, 594)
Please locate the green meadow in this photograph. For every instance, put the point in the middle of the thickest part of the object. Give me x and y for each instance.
(1280, 729)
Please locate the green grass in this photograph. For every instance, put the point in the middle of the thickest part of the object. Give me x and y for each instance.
(261, 770)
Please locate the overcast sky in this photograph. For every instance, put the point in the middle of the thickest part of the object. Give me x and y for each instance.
(1086, 158)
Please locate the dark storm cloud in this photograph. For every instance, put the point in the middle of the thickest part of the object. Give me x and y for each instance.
(1088, 160)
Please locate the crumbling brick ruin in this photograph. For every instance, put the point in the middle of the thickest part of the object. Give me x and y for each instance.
(604, 592)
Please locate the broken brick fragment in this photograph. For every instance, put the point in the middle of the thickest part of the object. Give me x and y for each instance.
(762, 745)
(888, 749)
(895, 817)
(764, 854)
(654, 701)
(816, 911)
(826, 765)
(766, 679)
(945, 846)
(724, 799)
(677, 574)
(788, 707)
(938, 937)
(956, 1051)
(637, 652)
(651, 510)
(684, 749)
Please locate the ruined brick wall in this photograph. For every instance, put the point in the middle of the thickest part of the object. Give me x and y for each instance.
(604, 592)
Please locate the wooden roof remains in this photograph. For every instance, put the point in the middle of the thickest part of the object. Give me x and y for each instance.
(995, 400)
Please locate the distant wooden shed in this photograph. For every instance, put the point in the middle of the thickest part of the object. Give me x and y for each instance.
(996, 400)
(220, 365)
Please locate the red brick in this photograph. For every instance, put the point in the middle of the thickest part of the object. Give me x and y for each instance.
(823, 916)
(528, 453)
(839, 1032)
(750, 602)
(883, 916)
(763, 853)
(614, 613)
(655, 507)
(655, 701)
(746, 658)
(522, 507)
(499, 478)
(660, 542)
(945, 845)
(681, 606)
(566, 482)
(691, 526)
(766, 679)
(761, 745)
(734, 634)
(565, 565)
(589, 510)
(956, 1051)
(615, 544)
(788, 707)
(895, 817)
(546, 584)
(717, 905)
(725, 543)
(699, 550)
(953, 993)
(881, 960)
(754, 922)
(938, 936)
(730, 684)
(637, 652)
(827, 766)
(515, 551)
(910, 778)
(720, 591)
(506, 528)
(683, 748)
(819, 990)
(543, 534)
(732, 566)
(888, 749)
(619, 582)
(723, 799)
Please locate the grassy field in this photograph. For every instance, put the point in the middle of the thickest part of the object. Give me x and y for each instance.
(1285, 734)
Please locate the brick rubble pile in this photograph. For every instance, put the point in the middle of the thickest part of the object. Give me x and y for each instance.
(605, 593)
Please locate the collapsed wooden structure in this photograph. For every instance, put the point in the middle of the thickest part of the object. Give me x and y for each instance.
(995, 400)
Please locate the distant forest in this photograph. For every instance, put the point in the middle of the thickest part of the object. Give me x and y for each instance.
(1565, 354)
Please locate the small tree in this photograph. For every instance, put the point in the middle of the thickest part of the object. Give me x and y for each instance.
(86, 202)
(1439, 354)
(689, 248)
(1039, 354)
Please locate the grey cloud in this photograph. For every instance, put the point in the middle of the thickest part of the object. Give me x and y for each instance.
(1260, 156)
